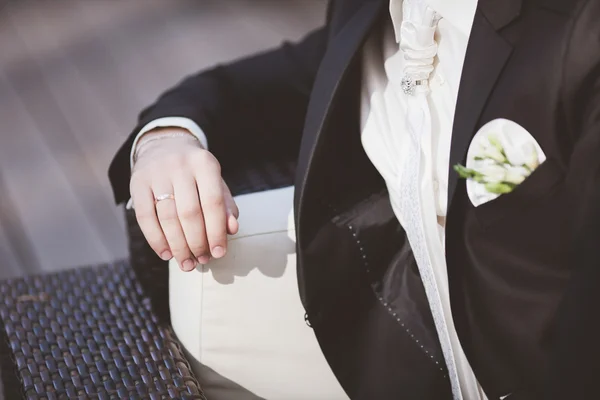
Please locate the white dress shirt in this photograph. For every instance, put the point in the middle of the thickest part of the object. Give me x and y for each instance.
(407, 138)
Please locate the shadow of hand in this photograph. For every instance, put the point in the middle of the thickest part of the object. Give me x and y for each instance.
(266, 254)
(265, 241)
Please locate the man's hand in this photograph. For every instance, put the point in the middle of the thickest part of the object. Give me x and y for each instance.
(194, 225)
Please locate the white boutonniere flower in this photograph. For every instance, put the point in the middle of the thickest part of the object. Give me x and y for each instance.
(502, 155)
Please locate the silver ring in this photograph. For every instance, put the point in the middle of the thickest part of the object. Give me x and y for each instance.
(165, 196)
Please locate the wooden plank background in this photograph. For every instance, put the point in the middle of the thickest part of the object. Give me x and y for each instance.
(73, 76)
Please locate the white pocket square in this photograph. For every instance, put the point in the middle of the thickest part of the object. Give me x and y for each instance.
(501, 156)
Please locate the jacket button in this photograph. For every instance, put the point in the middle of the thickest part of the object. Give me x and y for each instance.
(306, 320)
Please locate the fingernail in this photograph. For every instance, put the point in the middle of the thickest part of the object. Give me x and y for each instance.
(218, 252)
(166, 255)
(188, 265)
(203, 259)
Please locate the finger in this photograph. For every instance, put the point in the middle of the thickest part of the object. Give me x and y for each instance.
(233, 226)
(190, 216)
(169, 222)
(232, 211)
(213, 207)
(145, 213)
(232, 207)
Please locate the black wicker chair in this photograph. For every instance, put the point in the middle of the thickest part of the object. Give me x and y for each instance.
(103, 332)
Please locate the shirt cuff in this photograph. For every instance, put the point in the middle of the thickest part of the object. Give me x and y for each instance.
(179, 122)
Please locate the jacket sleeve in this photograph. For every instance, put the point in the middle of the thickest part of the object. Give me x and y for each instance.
(576, 341)
(251, 109)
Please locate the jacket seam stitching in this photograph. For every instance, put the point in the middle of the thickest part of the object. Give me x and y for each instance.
(388, 308)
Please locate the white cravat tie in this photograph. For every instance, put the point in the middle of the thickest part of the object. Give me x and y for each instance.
(417, 41)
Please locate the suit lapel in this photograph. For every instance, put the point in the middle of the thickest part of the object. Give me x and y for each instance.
(487, 53)
(342, 49)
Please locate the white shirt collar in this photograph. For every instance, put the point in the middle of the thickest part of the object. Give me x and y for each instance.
(459, 13)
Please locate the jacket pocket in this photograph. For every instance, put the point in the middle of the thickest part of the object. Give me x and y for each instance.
(539, 184)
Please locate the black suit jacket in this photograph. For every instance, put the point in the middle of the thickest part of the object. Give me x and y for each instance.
(536, 62)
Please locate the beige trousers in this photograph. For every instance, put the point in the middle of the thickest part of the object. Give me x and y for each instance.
(240, 319)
